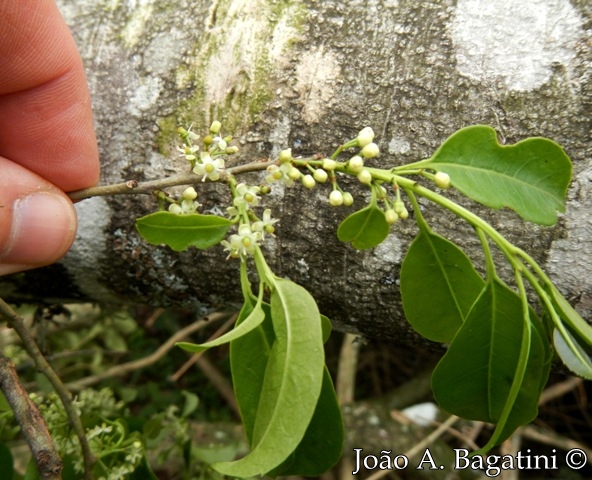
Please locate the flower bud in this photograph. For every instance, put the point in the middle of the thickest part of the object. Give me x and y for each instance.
(231, 150)
(244, 229)
(308, 181)
(336, 198)
(442, 180)
(320, 175)
(174, 208)
(294, 173)
(404, 214)
(365, 137)
(215, 127)
(285, 155)
(329, 164)
(189, 194)
(356, 164)
(391, 216)
(399, 206)
(365, 177)
(370, 150)
(348, 199)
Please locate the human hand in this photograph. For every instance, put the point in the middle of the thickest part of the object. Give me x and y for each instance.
(47, 140)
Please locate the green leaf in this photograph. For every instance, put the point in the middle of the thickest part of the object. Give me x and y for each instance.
(572, 354)
(191, 403)
(6, 461)
(474, 378)
(530, 177)
(365, 228)
(322, 445)
(291, 384)
(252, 321)
(326, 328)
(248, 362)
(183, 231)
(438, 286)
(571, 317)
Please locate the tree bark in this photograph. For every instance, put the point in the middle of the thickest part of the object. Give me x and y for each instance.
(308, 76)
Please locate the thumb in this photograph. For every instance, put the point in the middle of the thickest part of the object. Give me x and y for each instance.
(37, 220)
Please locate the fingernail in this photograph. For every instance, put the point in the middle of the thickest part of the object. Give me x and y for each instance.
(43, 228)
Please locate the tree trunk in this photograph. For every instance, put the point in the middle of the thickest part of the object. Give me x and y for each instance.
(309, 75)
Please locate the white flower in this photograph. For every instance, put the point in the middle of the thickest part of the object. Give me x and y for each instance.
(266, 224)
(186, 207)
(243, 243)
(282, 174)
(188, 134)
(220, 143)
(246, 195)
(188, 152)
(209, 167)
(232, 212)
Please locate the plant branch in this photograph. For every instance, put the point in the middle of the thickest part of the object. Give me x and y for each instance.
(123, 369)
(16, 322)
(223, 329)
(219, 382)
(133, 187)
(33, 426)
(426, 442)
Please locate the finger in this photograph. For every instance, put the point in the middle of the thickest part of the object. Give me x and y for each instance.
(38, 219)
(45, 114)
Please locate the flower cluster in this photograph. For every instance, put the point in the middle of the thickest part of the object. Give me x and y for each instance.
(209, 163)
(120, 451)
(250, 233)
(284, 173)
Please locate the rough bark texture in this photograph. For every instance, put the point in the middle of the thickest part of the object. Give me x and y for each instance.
(308, 75)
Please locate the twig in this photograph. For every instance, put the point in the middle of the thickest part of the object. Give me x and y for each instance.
(16, 322)
(27, 415)
(123, 369)
(71, 354)
(179, 373)
(345, 386)
(511, 446)
(155, 315)
(555, 440)
(346, 372)
(132, 187)
(426, 442)
(559, 389)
